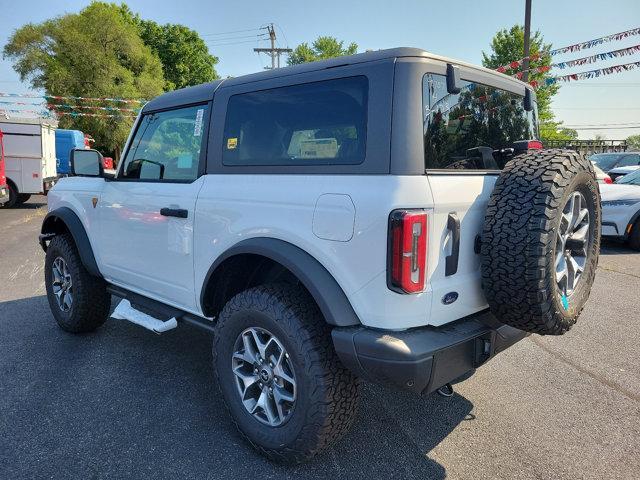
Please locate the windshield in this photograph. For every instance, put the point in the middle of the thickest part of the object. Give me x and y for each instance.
(607, 161)
(470, 129)
(631, 179)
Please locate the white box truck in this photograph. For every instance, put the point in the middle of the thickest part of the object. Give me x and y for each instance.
(30, 156)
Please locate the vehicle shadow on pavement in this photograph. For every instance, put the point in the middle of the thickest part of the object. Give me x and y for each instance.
(123, 402)
(29, 206)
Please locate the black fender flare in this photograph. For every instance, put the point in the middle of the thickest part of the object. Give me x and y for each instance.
(51, 228)
(325, 290)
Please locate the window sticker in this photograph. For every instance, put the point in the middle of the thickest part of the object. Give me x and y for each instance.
(185, 161)
(197, 128)
(232, 143)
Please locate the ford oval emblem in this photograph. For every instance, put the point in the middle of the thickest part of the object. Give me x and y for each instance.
(449, 298)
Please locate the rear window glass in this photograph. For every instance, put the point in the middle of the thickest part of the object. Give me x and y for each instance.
(475, 129)
(319, 123)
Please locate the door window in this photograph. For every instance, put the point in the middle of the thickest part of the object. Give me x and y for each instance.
(167, 146)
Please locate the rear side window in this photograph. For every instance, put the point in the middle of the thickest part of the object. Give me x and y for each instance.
(469, 130)
(319, 123)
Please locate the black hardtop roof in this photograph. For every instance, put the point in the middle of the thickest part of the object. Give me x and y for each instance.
(204, 93)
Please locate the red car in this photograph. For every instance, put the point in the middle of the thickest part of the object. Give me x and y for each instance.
(4, 188)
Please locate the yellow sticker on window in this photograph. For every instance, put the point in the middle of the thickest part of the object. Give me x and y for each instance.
(232, 143)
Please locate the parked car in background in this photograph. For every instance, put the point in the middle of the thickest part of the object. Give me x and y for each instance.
(29, 156)
(601, 177)
(621, 209)
(609, 161)
(619, 172)
(67, 140)
(4, 188)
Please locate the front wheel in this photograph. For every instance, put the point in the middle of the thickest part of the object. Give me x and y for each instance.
(278, 374)
(79, 301)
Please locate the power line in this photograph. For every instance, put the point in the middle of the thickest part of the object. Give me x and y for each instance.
(238, 43)
(602, 128)
(230, 32)
(273, 52)
(236, 38)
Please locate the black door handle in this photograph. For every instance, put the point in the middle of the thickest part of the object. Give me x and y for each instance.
(174, 212)
(451, 261)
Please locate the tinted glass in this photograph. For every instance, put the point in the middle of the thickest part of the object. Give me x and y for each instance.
(86, 162)
(320, 123)
(167, 145)
(628, 160)
(630, 179)
(479, 116)
(606, 161)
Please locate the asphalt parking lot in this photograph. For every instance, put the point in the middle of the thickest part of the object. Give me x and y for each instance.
(125, 403)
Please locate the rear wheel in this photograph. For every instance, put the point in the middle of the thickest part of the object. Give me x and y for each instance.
(279, 376)
(79, 301)
(13, 197)
(22, 197)
(634, 236)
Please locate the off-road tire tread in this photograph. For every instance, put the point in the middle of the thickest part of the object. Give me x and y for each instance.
(91, 301)
(518, 239)
(334, 401)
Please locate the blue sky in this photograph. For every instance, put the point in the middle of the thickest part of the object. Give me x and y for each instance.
(459, 29)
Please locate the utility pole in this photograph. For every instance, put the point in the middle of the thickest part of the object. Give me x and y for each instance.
(273, 52)
(527, 39)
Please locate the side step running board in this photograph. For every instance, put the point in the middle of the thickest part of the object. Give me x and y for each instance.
(156, 311)
(124, 311)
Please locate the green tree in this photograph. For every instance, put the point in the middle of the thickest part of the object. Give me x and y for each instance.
(320, 49)
(94, 53)
(508, 45)
(184, 55)
(634, 142)
(552, 130)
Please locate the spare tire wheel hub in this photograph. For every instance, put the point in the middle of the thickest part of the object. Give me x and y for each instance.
(571, 243)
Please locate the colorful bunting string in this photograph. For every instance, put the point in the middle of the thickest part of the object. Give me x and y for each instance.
(58, 97)
(623, 52)
(596, 41)
(55, 106)
(516, 63)
(588, 74)
(44, 113)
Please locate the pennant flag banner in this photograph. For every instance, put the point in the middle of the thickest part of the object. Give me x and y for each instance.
(57, 97)
(56, 106)
(623, 52)
(596, 41)
(515, 64)
(588, 74)
(45, 113)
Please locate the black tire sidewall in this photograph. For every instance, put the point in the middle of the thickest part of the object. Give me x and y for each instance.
(65, 319)
(587, 186)
(261, 434)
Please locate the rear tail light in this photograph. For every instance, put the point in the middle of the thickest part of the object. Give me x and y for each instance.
(534, 145)
(407, 257)
(607, 179)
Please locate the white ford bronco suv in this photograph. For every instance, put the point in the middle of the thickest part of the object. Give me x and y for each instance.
(387, 216)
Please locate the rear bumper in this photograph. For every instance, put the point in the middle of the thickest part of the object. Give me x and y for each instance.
(4, 194)
(424, 359)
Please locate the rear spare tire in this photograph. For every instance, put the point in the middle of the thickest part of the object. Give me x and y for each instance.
(541, 240)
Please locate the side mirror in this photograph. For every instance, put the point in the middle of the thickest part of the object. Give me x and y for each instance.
(86, 163)
(529, 99)
(453, 79)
